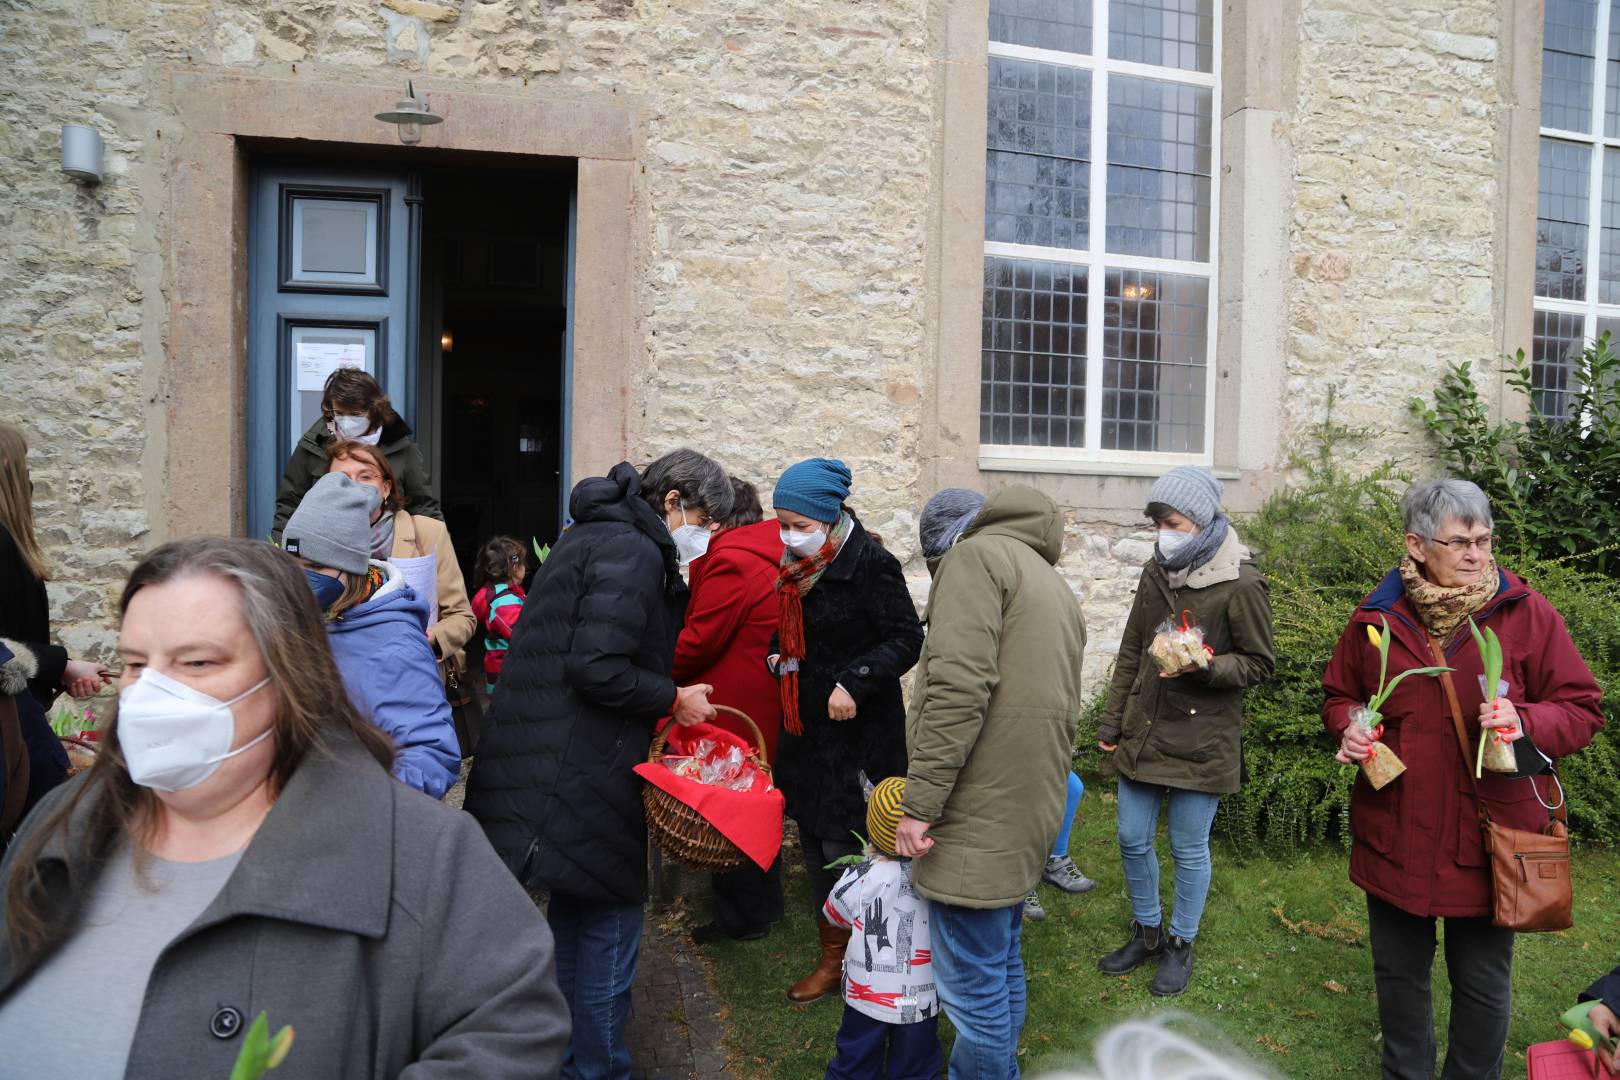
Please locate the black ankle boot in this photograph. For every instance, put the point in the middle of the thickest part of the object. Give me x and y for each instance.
(1146, 943)
(1175, 969)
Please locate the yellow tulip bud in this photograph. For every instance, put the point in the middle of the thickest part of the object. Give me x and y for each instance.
(1373, 636)
(280, 1048)
(1581, 1039)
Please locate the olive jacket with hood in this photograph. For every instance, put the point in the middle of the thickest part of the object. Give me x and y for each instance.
(996, 703)
(308, 464)
(1186, 732)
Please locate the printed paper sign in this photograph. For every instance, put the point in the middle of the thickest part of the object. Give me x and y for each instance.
(316, 360)
(423, 575)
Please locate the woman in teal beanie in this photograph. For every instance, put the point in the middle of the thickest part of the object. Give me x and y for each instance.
(847, 631)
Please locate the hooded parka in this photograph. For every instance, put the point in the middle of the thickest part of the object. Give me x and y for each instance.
(374, 921)
(308, 464)
(1187, 732)
(996, 702)
(861, 632)
(586, 677)
(1416, 843)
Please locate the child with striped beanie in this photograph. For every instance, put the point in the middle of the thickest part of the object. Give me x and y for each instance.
(891, 1012)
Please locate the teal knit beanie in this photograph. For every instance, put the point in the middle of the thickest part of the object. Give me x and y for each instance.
(815, 488)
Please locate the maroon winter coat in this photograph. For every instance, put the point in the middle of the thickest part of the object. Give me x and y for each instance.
(1417, 844)
(729, 623)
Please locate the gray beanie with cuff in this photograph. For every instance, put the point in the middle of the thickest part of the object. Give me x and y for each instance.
(332, 526)
(1191, 491)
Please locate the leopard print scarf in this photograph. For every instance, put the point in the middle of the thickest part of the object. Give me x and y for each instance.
(1442, 610)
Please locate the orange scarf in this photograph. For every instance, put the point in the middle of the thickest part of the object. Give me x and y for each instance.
(794, 578)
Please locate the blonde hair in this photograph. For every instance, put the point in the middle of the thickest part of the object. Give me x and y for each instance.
(17, 499)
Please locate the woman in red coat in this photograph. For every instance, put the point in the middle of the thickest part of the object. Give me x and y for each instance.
(729, 623)
(1416, 845)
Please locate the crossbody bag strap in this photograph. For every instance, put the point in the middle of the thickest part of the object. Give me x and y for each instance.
(1457, 725)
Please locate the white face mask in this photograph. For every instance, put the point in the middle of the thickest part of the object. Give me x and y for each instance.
(355, 427)
(1171, 541)
(691, 541)
(174, 737)
(804, 544)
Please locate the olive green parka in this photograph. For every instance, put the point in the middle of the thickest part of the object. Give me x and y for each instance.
(995, 706)
(1186, 732)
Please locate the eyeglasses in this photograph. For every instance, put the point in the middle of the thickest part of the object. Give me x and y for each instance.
(1460, 544)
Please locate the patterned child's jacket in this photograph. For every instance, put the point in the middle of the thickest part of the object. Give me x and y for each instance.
(497, 608)
(888, 969)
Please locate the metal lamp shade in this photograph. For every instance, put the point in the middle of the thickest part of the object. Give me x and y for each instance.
(82, 152)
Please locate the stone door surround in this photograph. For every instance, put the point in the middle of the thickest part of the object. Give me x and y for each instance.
(203, 406)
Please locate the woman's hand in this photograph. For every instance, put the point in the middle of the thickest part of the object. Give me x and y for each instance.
(840, 706)
(1355, 746)
(82, 679)
(1607, 1026)
(1107, 747)
(692, 705)
(1501, 717)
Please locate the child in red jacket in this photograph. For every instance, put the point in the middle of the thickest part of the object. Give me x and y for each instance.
(500, 568)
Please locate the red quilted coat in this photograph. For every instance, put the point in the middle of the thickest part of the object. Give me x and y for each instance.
(1417, 844)
(729, 623)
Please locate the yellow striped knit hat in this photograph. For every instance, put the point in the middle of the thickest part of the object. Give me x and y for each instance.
(883, 813)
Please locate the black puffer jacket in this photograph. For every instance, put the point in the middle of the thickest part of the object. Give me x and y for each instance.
(585, 678)
(860, 630)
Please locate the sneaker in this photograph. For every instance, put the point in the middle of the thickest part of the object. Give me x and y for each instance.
(1061, 873)
(1175, 969)
(1146, 943)
(1033, 912)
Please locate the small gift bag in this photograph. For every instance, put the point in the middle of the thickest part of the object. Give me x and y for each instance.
(1498, 753)
(1179, 646)
(1381, 765)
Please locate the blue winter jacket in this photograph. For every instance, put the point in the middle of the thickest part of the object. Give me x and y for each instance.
(382, 652)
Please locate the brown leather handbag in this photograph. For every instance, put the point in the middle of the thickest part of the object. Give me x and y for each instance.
(1530, 884)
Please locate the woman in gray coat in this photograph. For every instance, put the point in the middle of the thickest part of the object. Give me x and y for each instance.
(239, 848)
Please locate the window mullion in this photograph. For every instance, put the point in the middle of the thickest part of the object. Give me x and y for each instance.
(1095, 276)
(1594, 197)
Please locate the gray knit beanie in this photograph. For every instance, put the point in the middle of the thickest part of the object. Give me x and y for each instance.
(332, 526)
(945, 517)
(1191, 491)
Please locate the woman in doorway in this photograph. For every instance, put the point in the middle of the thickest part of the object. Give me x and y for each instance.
(376, 625)
(238, 847)
(847, 632)
(399, 534)
(730, 621)
(1176, 736)
(25, 613)
(354, 407)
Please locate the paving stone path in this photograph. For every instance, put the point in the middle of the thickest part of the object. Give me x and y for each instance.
(676, 1031)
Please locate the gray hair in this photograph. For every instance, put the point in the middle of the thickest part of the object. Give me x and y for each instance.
(945, 517)
(1152, 1050)
(1426, 507)
(701, 482)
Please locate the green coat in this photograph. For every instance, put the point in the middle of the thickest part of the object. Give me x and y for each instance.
(308, 464)
(1186, 732)
(996, 702)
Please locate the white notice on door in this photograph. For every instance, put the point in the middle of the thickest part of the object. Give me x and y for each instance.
(316, 360)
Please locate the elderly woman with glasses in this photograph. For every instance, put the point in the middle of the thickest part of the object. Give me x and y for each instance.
(1416, 849)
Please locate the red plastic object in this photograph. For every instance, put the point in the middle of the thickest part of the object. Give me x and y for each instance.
(1562, 1060)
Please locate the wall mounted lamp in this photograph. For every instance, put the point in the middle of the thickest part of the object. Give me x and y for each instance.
(82, 153)
(447, 340)
(411, 115)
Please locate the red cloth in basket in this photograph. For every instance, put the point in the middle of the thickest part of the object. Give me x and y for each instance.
(1562, 1060)
(750, 819)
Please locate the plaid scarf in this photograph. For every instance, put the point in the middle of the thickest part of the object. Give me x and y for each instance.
(794, 578)
(1442, 610)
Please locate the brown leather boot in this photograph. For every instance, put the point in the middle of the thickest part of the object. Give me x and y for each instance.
(829, 970)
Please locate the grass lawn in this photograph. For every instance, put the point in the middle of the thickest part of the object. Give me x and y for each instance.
(1282, 974)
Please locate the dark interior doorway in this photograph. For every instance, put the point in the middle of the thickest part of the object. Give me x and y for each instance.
(494, 323)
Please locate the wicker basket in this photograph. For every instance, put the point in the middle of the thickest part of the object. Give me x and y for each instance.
(81, 753)
(680, 831)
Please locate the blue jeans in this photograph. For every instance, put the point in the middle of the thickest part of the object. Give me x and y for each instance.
(979, 974)
(597, 948)
(869, 1049)
(1191, 815)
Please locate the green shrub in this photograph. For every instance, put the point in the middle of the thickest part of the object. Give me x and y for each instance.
(1553, 482)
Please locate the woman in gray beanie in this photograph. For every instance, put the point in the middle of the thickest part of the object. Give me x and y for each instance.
(1175, 711)
(377, 627)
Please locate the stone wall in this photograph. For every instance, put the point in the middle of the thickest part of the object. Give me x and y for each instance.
(790, 173)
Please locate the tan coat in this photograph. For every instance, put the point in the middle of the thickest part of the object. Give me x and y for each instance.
(416, 537)
(997, 700)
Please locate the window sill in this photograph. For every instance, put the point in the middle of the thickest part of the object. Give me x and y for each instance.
(1059, 466)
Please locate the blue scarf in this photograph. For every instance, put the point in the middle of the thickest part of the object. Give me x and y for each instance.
(1200, 551)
